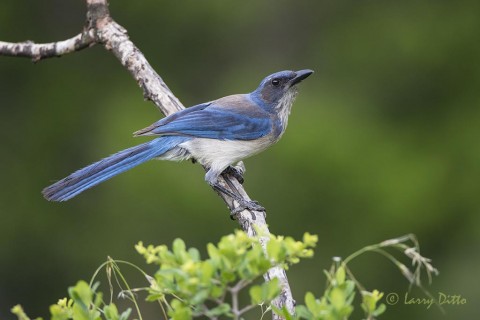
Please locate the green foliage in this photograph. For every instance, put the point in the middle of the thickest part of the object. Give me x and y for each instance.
(21, 315)
(200, 287)
(369, 303)
(187, 286)
(84, 304)
(337, 301)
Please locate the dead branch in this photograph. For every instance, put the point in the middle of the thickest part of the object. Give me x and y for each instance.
(39, 51)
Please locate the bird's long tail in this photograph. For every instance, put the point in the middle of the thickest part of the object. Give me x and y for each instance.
(109, 167)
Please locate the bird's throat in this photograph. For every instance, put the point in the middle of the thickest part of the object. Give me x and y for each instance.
(284, 106)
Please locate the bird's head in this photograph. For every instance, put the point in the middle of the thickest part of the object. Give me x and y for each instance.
(274, 87)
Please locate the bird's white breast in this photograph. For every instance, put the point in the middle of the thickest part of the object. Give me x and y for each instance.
(219, 154)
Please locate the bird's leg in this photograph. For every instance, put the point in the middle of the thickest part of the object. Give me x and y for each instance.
(235, 172)
(212, 179)
(243, 204)
(233, 213)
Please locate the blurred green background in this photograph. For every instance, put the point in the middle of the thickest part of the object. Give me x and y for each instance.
(382, 141)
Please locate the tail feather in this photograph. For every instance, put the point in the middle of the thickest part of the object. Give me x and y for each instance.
(109, 167)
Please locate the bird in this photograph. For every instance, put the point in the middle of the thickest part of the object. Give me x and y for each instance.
(217, 134)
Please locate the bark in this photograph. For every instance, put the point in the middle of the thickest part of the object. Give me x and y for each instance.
(41, 51)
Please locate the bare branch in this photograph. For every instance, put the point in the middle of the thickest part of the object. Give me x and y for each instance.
(115, 38)
(39, 51)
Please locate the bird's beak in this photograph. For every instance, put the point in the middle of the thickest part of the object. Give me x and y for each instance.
(300, 75)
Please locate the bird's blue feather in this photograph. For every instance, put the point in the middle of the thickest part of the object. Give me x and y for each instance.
(216, 120)
(217, 124)
(113, 165)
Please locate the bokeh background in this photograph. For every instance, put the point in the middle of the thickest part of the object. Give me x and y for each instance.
(382, 141)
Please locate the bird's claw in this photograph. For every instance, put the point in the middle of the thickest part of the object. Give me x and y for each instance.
(247, 205)
(236, 173)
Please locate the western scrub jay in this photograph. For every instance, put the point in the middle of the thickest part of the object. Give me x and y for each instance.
(217, 134)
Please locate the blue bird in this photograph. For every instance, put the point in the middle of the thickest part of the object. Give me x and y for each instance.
(217, 134)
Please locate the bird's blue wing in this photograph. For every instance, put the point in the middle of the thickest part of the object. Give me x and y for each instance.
(149, 130)
(215, 121)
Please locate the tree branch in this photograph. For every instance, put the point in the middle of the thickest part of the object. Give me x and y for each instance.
(100, 28)
(39, 51)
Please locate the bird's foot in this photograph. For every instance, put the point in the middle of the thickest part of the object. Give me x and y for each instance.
(243, 204)
(236, 172)
(247, 205)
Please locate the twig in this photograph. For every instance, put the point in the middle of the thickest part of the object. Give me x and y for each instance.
(39, 51)
(100, 28)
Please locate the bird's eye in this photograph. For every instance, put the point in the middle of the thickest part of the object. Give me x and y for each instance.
(275, 82)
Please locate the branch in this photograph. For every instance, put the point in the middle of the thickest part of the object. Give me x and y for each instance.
(39, 51)
(100, 28)
(115, 39)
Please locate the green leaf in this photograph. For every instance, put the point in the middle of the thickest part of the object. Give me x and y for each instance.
(310, 240)
(111, 312)
(311, 303)
(155, 296)
(213, 252)
(270, 290)
(337, 298)
(228, 276)
(381, 309)
(273, 249)
(349, 287)
(303, 312)
(207, 271)
(62, 310)
(256, 294)
(340, 275)
(369, 302)
(194, 254)
(81, 294)
(223, 309)
(283, 313)
(178, 248)
(18, 311)
(179, 311)
(199, 297)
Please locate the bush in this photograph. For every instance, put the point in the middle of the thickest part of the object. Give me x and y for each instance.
(187, 286)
